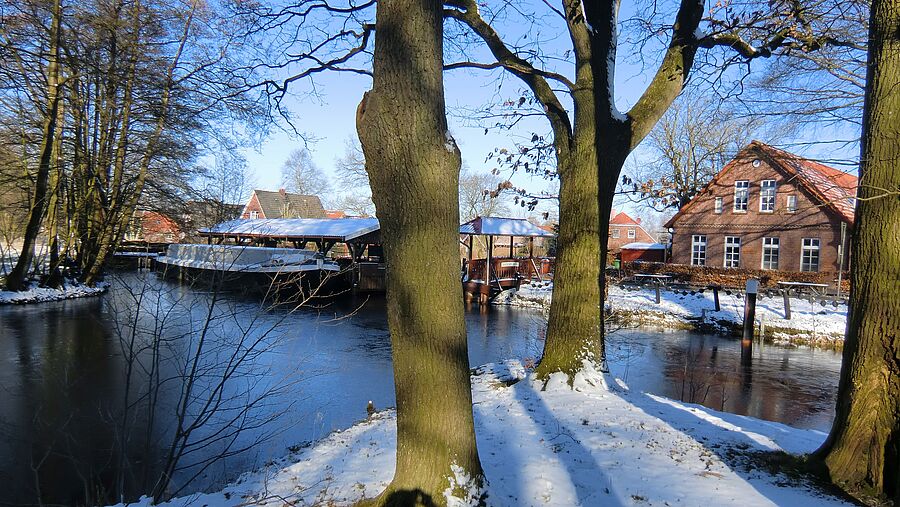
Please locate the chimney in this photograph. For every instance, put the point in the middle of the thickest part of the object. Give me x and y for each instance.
(638, 220)
(282, 192)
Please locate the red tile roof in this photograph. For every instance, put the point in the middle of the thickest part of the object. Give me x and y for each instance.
(833, 188)
(836, 189)
(623, 219)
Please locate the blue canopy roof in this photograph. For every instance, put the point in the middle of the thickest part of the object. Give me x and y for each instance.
(497, 226)
(340, 229)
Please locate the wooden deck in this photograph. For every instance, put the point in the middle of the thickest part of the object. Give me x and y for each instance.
(482, 284)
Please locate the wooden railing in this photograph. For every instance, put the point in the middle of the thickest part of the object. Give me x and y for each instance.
(506, 268)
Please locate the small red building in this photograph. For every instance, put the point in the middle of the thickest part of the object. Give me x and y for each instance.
(644, 252)
(624, 230)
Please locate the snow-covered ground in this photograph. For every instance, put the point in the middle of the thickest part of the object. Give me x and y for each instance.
(810, 322)
(596, 444)
(35, 294)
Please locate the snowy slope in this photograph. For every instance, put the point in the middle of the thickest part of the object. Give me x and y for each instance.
(598, 444)
(811, 319)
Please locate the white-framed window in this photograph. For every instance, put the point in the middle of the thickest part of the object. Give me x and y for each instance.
(719, 205)
(732, 252)
(632, 234)
(254, 215)
(809, 255)
(791, 203)
(767, 196)
(770, 253)
(741, 195)
(698, 250)
(615, 233)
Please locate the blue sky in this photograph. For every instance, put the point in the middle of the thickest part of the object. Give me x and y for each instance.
(328, 118)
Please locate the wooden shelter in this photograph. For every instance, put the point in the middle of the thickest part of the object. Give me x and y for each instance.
(484, 278)
(362, 237)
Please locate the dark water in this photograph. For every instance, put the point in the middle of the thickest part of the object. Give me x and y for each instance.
(77, 431)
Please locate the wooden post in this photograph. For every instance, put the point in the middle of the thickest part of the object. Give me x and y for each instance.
(511, 241)
(657, 284)
(487, 264)
(787, 303)
(471, 253)
(715, 289)
(749, 314)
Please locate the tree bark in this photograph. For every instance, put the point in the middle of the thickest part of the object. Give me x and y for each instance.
(862, 452)
(413, 165)
(15, 281)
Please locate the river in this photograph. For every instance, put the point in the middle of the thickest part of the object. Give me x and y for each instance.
(90, 389)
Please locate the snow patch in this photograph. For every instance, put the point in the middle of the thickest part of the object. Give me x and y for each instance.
(463, 490)
(36, 294)
(449, 142)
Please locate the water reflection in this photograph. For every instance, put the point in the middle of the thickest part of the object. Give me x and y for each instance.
(796, 386)
(63, 395)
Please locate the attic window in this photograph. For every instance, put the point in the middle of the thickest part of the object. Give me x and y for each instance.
(254, 215)
(791, 203)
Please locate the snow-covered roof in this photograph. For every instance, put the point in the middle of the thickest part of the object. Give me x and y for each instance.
(340, 229)
(497, 226)
(644, 246)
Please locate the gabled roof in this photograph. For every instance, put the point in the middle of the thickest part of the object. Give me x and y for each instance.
(339, 229)
(282, 204)
(623, 218)
(498, 226)
(834, 189)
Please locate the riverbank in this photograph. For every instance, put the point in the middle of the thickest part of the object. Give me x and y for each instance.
(811, 323)
(36, 294)
(597, 444)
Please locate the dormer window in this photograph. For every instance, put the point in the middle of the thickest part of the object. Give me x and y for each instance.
(741, 195)
(767, 196)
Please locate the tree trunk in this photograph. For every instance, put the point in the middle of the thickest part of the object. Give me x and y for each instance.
(414, 165)
(15, 281)
(575, 326)
(862, 452)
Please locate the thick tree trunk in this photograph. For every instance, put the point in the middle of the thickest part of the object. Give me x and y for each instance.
(575, 325)
(413, 166)
(16, 279)
(862, 452)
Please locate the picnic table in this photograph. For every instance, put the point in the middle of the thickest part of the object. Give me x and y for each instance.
(658, 281)
(787, 287)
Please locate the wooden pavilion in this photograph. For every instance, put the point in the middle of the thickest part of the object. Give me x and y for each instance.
(484, 278)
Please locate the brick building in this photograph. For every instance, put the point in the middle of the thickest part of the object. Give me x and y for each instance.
(281, 204)
(624, 230)
(768, 209)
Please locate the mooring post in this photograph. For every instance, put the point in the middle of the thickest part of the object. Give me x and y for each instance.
(749, 317)
(657, 291)
(785, 293)
(715, 289)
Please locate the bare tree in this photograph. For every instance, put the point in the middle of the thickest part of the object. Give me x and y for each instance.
(480, 196)
(694, 139)
(301, 175)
